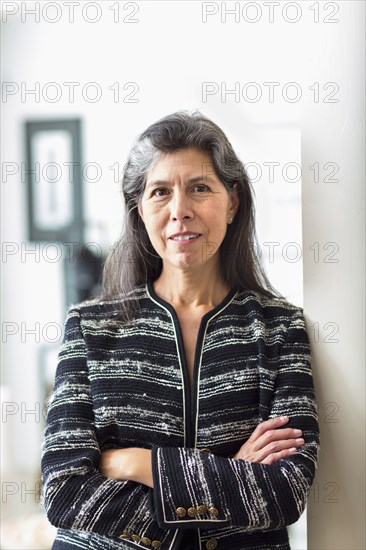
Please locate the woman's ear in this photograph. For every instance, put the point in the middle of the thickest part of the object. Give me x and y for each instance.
(234, 200)
(139, 207)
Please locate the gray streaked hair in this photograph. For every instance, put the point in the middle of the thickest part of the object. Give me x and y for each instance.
(133, 260)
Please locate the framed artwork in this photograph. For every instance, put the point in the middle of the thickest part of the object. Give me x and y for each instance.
(54, 180)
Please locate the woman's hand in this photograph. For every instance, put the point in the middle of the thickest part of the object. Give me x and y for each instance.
(132, 464)
(270, 442)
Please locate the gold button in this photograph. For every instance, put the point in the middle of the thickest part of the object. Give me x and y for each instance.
(181, 512)
(136, 538)
(202, 509)
(206, 449)
(123, 536)
(146, 540)
(156, 544)
(192, 512)
(211, 544)
(213, 512)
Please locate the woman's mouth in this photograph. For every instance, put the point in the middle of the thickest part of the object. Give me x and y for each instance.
(186, 239)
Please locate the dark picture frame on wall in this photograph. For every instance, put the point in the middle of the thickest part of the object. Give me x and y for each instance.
(54, 180)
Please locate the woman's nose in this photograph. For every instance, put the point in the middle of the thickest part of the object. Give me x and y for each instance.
(181, 206)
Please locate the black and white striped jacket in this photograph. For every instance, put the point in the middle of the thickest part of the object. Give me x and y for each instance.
(127, 386)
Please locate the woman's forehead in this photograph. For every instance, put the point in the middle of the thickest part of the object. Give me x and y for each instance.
(183, 160)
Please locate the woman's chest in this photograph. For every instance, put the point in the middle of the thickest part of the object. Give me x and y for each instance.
(143, 396)
(189, 327)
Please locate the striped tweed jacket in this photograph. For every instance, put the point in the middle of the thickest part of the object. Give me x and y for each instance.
(126, 385)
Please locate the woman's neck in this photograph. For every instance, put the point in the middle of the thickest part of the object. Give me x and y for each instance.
(191, 289)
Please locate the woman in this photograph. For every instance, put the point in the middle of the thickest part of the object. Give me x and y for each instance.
(183, 412)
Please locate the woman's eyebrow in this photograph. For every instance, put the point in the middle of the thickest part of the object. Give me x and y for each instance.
(196, 179)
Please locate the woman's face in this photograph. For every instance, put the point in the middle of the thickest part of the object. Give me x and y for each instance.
(183, 195)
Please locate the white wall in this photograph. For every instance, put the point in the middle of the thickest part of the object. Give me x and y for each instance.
(334, 292)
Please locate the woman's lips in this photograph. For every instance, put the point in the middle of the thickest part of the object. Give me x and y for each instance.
(185, 241)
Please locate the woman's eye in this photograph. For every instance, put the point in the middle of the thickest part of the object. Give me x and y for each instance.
(156, 192)
(201, 187)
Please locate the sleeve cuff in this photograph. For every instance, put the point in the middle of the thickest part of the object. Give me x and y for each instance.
(177, 502)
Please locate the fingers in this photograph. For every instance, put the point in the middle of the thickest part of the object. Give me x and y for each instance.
(271, 441)
(274, 457)
(272, 437)
(271, 424)
(272, 430)
(279, 446)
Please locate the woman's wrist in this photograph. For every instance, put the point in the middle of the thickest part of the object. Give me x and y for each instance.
(141, 468)
(132, 463)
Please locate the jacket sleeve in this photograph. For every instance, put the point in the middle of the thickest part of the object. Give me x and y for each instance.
(74, 493)
(194, 488)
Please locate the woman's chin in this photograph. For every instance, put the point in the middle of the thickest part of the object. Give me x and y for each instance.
(185, 263)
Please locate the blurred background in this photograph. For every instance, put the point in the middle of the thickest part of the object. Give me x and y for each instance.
(80, 80)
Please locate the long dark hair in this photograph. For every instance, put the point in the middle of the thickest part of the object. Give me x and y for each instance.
(133, 260)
